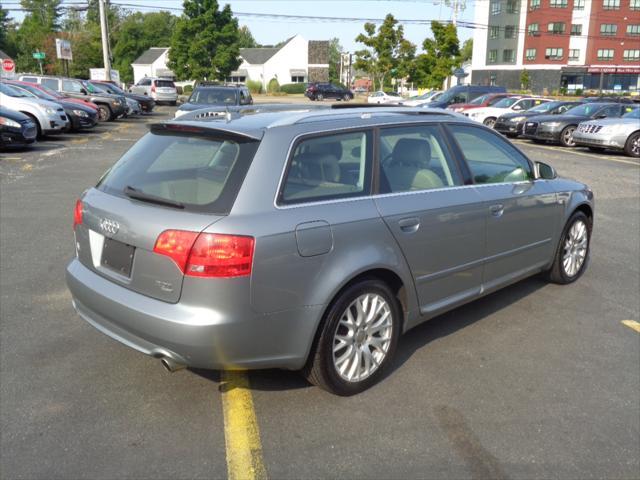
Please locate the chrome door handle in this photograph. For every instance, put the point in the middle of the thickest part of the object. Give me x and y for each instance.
(496, 210)
(409, 225)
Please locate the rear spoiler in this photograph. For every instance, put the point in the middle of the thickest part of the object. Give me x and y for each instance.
(204, 130)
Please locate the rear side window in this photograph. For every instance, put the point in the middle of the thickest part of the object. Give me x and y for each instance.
(203, 173)
(30, 79)
(71, 86)
(165, 84)
(491, 159)
(51, 83)
(329, 167)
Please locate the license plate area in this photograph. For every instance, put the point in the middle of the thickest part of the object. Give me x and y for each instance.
(117, 256)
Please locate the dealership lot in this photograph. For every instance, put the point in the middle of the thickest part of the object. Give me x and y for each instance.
(534, 381)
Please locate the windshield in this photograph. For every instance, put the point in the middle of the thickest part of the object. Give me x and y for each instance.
(110, 87)
(448, 95)
(52, 93)
(213, 96)
(585, 110)
(546, 107)
(93, 88)
(437, 96)
(36, 92)
(632, 114)
(480, 100)
(202, 172)
(13, 92)
(506, 102)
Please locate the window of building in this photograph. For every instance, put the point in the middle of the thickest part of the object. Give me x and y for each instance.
(508, 56)
(559, 3)
(297, 79)
(533, 29)
(634, 4)
(574, 54)
(556, 28)
(237, 79)
(554, 53)
(611, 4)
(512, 6)
(578, 4)
(534, 4)
(493, 56)
(510, 31)
(493, 78)
(631, 55)
(494, 32)
(633, 29)
(608, 29)
(530, 54)
(496, 7)
(605, 54)
(576, 29)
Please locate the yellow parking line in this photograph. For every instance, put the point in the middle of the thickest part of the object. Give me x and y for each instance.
(582, 154)
(79, 141)
(242, 437)
(632, 324)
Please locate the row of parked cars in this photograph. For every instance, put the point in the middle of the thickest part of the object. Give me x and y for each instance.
(34, 106)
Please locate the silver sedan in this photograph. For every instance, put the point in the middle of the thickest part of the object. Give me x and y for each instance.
(613, 133)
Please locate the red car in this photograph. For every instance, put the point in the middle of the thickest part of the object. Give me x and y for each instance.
(58, 95)
(486, 100)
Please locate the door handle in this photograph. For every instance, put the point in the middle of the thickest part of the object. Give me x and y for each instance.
(409, 225)
(496, 210)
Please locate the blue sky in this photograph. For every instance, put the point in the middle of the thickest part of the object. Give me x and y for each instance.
(271, 31)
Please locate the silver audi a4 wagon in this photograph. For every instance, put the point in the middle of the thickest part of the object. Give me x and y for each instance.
(312, 239)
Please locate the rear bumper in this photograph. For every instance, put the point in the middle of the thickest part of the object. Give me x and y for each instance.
(165, 97)
(194, 335)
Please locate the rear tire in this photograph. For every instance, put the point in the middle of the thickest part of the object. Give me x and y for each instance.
(566, 136)
(319, 97)
(353, 350)
(104, 113)
(572, 253)
(40, 134)
(632, 147)
(346, 97)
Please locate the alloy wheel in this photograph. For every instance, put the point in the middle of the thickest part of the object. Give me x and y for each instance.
(575, 248)
(635, 146)
(362, 337)
(567, 137)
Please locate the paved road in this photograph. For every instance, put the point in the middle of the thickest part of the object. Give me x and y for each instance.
(536, 381)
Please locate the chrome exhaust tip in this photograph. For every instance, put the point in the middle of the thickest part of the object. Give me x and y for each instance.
(171, 365)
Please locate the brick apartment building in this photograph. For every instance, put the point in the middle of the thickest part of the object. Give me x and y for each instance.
(570, 44)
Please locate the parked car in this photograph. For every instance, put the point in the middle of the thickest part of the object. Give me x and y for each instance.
(210, 94)
(462, 94)
(159, 89)
(424, 98)
(611, 133)
(110, 106)
(384, 97)
(319, 91)
(486, 100)
(16, 129)
(512, 124)
(146, 103)
(81, 117)
(488, 115)
(49, 117)
(560, 128)
(58, 96)
(268, 240)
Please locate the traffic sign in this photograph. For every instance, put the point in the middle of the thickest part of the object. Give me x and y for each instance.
(38, 55)
(459, 72)
(8, 65)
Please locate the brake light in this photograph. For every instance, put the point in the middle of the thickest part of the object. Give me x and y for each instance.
(207, 254)
(153, 88)
(77, 214)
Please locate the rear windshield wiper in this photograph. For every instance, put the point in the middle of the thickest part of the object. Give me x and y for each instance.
(131, 192)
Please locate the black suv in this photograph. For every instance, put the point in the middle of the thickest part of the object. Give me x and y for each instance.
(320, 91)
(215, 95)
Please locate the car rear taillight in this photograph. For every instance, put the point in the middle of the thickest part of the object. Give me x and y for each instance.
(77, 214)
(207, 254)
(153, 88)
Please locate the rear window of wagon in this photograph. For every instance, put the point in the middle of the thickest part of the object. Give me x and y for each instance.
(203, 172)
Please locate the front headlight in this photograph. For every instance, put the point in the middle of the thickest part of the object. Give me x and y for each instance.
(179, 113)
(7, 122)
(518, 119)
(80, 113)
(552, 124)
(115, 102)
(50, 111)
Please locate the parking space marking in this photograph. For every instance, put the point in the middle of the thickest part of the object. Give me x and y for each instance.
(632, 324)
(78, 141)
(241, 433)
(582, 154)
(12, 159)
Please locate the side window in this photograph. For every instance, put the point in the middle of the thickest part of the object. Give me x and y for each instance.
(329, 167)
(415, 158)
(30, 79)
(491, 159)
(610, 111)
(70, 86)
(144, 82)
(50, 83)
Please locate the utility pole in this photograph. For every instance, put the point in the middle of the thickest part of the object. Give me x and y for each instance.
(104, 28)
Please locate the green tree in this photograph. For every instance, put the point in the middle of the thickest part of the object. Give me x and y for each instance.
(441, 55)
(41, 20)
(246, 39)
(525, 81)
(387, 53)
(4, 29)
(138, 32)
(335, 57)
(205, 42)
(466, 52)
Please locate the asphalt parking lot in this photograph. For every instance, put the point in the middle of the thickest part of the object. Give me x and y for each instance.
(535, 381)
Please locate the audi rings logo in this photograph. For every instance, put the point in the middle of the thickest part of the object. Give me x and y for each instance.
(109, 227)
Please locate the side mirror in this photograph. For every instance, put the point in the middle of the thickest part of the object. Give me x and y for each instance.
(517, 108)
(602, 115)
(545, 171)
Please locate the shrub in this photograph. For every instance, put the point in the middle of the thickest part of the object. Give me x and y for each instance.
(254, 86)
(273, 86)
(187, 89)
(579, 92)
(293, 88)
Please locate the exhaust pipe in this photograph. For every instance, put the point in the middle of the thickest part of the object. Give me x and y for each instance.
(171, 365)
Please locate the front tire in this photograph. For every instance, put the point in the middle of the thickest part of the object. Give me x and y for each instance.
(572, 254)
(489, 122)
(319, 97)
(566, 136)
(632, 147)
(104, 113)
(358, 338)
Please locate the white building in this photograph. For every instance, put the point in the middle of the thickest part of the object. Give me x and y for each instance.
(152, 63)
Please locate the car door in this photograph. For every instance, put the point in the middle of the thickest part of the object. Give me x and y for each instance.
(522, 214)
(438, 223)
